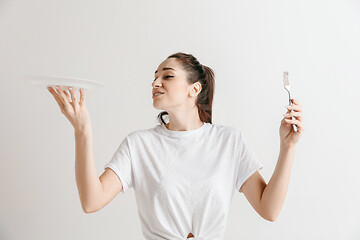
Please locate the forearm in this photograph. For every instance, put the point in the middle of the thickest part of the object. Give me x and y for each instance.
(89, 186)
(274, 193)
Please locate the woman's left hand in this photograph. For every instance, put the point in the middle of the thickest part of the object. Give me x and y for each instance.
(288, 137)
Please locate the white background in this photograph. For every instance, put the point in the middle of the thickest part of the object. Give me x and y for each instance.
(121, 43)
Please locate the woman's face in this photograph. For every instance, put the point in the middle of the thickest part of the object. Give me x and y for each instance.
(170, 79)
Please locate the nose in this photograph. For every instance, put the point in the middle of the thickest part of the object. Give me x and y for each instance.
(153, 84)
(156, 82)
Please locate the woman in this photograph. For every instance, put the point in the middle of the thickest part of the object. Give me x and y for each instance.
(184, 172)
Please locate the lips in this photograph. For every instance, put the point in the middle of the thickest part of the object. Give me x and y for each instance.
(156, 91)
(157, 94)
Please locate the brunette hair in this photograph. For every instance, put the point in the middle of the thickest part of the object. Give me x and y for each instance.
(197, 72)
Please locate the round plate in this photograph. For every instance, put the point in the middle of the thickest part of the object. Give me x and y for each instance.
(63, 82)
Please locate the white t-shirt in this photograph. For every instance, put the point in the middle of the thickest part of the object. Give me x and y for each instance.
(184, 180)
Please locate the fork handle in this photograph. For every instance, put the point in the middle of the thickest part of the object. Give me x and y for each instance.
(293, 118)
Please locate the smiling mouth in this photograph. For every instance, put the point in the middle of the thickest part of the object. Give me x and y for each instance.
(157, 94)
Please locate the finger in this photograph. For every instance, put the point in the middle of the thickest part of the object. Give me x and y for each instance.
(73, 97)
(57, 90)
(294, 107)
(64, 98)
(82, 96)
(299, 124)
(68, 96)
(73, 94)
(296, 102)
(297, 115)
(56, 96)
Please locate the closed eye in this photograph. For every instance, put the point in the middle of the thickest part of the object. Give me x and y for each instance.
(166, 77)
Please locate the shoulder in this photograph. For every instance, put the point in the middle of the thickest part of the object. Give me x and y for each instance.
(228, 130)
(229, 134)
(141, 133)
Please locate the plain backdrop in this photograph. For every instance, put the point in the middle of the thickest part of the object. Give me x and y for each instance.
(248, 44)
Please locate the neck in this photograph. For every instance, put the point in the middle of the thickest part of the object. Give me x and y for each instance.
(185, 126)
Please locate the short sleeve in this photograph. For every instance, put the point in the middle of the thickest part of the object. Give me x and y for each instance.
(120, 163)
(248, 162)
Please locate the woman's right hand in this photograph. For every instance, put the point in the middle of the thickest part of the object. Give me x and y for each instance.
(76, 112)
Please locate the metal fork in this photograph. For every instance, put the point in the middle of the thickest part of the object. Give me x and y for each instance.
(287, 88)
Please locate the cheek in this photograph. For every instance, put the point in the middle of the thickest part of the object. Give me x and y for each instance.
(178, 96)
(176, 93)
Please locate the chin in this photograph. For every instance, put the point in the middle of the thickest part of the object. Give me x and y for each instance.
(158, 106)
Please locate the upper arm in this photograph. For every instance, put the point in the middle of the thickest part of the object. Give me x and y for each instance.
(112, 185)
(253, 188)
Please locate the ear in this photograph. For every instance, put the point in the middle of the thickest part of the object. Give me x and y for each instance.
(195, 89)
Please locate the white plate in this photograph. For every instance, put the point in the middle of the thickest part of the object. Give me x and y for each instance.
(63, 82)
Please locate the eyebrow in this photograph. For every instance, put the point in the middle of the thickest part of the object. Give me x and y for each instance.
(166, 69)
